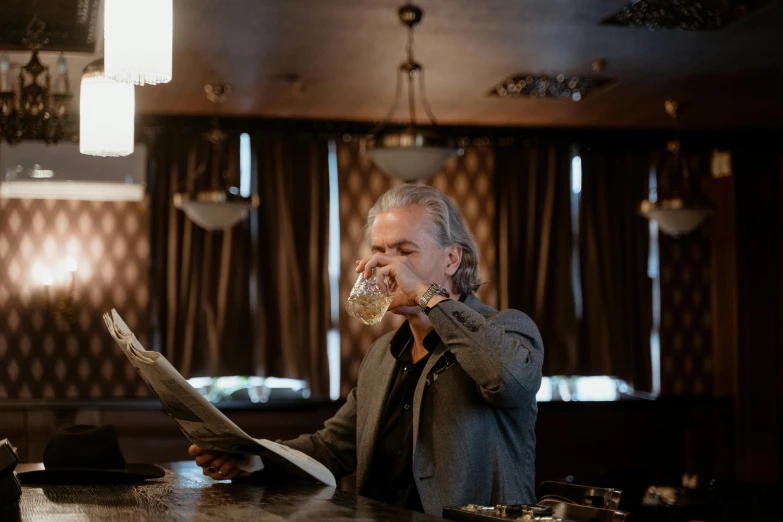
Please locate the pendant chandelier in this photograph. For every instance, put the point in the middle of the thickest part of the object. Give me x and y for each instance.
(217, 207)
(138, 37)
(34, 109)
(412, 153)
(106, 126)
(679, 211)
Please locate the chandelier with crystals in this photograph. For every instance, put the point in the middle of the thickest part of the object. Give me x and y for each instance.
(32, 108)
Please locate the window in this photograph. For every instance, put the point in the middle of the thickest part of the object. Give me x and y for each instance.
(568, 388)
(653, 271)
(575, 387)
(333, 336)
(244, 165)
(576, 191)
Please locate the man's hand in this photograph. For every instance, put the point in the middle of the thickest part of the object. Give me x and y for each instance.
(217, 464)
(397, 275)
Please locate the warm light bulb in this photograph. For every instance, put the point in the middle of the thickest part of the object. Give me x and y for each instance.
(70, 264)
(46, 277)
(138, 38)
(106, 114)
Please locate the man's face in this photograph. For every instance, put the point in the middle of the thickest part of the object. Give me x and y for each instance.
(407, 232)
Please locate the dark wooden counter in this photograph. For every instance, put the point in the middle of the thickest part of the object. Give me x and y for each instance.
(184, 494)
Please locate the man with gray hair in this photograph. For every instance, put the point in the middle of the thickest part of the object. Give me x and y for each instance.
(445, 407)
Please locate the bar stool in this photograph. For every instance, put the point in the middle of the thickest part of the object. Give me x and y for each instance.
(578, 513)
(603, 498)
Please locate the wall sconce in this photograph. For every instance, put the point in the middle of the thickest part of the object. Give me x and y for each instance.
(59, 295)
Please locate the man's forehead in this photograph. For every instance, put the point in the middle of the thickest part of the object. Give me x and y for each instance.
(405, 225)
(392, 242)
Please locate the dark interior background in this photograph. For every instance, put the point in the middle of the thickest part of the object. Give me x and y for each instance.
(721, 404)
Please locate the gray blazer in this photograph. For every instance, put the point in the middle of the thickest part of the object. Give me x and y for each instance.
(474, 411)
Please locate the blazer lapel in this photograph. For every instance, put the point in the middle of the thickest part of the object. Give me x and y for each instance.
(375, 403)
(420, 387)
(471, 301)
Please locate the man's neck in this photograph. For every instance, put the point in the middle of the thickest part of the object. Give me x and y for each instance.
(420, 327)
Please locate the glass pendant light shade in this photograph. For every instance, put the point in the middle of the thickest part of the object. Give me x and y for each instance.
(106, 114)
(220, 206)
(415, 153)
(674, 216)
(409, 155)
(215, 210)
(675, 204)
(138, 40)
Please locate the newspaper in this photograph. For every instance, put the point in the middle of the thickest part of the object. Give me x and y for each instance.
(200, 421)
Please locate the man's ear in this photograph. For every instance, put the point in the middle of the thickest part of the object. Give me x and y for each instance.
(454, 259)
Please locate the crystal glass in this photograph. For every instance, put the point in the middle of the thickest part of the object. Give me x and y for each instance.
(366, 302)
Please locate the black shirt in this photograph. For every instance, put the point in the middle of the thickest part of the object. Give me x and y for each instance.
(392, 466)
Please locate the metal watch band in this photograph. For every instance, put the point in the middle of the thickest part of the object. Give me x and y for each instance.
(431, 291)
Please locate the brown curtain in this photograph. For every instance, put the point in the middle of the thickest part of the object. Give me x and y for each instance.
(197, 275)
(534, 234)
(292, 311)
(252, 300)
(614, 253)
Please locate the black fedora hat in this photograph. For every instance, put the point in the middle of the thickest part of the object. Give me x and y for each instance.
(84, 454)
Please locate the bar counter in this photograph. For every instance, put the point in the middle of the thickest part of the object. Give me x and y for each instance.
(184, 494)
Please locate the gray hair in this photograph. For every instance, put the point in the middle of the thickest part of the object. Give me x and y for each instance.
(448, 227)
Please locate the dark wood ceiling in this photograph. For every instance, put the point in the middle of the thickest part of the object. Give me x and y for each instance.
(346, 53)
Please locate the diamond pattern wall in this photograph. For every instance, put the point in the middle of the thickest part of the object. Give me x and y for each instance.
(686, 314)
(468, 180)
(41, 355)
(686, 303)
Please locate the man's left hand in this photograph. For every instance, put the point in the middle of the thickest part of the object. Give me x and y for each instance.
(395, 274)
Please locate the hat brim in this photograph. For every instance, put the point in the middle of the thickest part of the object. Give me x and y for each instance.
(132, 474)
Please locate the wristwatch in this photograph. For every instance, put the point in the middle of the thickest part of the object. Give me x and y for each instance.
(429, 293)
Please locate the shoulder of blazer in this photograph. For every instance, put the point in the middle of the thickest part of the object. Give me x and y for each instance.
(473, 302)
(510, 319)
(377, 350)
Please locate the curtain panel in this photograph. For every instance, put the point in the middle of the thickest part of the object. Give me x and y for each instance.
(252, 300)
(614, 251)
(535, 250)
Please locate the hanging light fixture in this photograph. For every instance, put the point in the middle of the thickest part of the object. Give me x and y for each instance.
(106, 114)
(679, 211)
(138, 38)
(412, 153)
(34, 109)
(217, 207)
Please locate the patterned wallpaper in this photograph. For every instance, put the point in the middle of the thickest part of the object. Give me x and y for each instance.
(686, 304)
(467, 179)
(42, 356)
(686, 313)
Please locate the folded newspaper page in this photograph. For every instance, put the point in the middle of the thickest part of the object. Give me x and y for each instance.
(200, 421)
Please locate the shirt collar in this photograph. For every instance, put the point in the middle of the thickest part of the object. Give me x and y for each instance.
(400, 341)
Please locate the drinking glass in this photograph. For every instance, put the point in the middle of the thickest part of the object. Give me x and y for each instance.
(366, 302)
